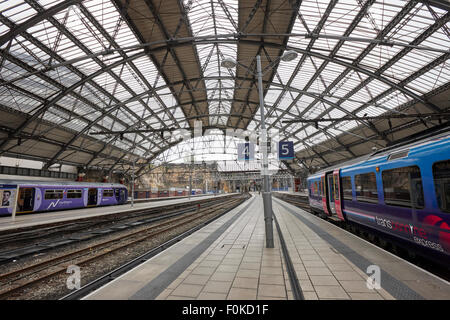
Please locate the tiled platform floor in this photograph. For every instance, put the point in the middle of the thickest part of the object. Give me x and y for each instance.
(237, 266)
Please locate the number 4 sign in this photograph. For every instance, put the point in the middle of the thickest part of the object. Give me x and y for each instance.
(246, 151)
(286, 150)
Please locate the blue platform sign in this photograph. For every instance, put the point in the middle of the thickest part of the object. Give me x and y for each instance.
(286, 150)
(246, 151)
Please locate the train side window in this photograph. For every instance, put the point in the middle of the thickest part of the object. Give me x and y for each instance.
(441, 175)
(74, 194)
(347, 188)
(366, 187)
(53, 194)
(403, 187)
(315, 188)
(108, 193)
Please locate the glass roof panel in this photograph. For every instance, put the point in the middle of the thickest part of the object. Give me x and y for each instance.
(433, 79)
(17, 11)
(312, 10)
(215, 21)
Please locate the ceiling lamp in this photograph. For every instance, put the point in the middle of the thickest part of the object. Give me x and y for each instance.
(289, 55)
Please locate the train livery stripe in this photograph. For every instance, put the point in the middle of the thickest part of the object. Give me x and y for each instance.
(359, 214)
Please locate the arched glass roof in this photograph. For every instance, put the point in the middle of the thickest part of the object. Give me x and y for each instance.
(96, 83)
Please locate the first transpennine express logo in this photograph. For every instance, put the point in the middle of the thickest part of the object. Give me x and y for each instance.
(444, 233)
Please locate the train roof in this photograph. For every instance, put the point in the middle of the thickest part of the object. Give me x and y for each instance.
(410, 145)
(60, 183)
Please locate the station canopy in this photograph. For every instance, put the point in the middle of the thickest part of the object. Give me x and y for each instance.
(105, 84)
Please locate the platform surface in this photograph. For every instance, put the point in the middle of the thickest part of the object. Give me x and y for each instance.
(228, 260)
(34, 219)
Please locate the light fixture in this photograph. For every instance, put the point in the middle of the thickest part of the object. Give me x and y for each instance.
(228, 63)
(289, 55)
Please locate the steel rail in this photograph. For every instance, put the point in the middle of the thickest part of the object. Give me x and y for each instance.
(141, 235)
(90, 287)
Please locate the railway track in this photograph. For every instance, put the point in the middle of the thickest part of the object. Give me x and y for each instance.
(380, 240)
(34, 240)
(15, 281)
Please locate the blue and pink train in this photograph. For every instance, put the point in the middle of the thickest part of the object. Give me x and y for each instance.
(38, 196)
(402, 191)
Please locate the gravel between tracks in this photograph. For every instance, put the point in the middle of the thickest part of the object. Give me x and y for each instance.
(55, 287)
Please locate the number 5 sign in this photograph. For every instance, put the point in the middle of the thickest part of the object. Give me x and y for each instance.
(285, 150)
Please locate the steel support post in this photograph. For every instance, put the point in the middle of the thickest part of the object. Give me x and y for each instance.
(267, 196)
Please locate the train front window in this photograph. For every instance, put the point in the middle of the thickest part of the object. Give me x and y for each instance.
(403, 187)
(441, 175)
(366, 187)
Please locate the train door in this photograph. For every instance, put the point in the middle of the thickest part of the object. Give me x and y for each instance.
(120, 195)
(337, 194)
(324, 194)
(92, 197)
(330, 189)
(25, 201)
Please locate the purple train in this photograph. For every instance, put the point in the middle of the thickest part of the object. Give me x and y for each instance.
(40, 196)
(402, 191)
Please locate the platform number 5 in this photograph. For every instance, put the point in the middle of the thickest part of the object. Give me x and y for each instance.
(284, 150)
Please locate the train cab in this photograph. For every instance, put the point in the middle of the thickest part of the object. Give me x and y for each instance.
(121, 195)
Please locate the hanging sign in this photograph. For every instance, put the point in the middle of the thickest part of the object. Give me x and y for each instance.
(286, 150)
(246, 151)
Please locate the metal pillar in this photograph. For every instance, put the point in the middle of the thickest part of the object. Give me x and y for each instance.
(190, 182)
(132, 185)
(267, 196)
